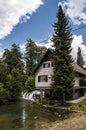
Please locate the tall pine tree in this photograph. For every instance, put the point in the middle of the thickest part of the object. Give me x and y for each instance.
(80, 60)
(63, 78)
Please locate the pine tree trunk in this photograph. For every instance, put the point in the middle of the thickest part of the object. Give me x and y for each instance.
(63, 99)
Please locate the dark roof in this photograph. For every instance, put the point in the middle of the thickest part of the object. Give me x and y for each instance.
(49, 52)
(78, 69)
(44, 58)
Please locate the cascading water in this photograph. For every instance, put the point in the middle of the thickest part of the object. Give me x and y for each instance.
(31, 95)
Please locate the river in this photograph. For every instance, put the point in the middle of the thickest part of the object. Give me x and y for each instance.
(24, 115)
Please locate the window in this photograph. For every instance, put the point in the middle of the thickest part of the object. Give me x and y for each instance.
(46, 65)
(52, 64)
(43, 78)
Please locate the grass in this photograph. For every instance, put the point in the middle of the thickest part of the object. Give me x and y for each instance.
(81, 106)
(75, 122)
(72, 121)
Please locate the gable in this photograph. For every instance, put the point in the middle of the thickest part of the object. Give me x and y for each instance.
(47, 57)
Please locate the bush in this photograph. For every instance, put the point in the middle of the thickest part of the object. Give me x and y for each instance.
(2, 94)
(30, 84)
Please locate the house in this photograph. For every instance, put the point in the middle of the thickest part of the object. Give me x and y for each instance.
(44, 71)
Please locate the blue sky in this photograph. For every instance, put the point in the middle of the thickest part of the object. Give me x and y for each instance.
(21, 20)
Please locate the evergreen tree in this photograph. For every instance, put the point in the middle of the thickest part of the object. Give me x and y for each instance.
(63, 77)
(80, 60)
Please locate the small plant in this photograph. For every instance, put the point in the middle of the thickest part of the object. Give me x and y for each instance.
(73, 107)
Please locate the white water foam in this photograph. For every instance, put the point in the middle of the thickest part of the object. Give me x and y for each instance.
(31, 95)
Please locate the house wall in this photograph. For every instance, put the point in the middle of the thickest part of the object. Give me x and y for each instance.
(49, 73)
(76, 83)
(44, 71)
(76, 88)
(76, 93)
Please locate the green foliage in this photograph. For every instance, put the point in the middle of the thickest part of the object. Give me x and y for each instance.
(33, 55)
(29, 56)
(14, 84)
(12, 71)
(80, 106)
(30, 84)
(3, 71)
(2, 94)
(63, 77)
(80, 60)
(13, 58)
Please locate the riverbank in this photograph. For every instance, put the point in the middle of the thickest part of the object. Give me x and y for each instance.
(75, 122)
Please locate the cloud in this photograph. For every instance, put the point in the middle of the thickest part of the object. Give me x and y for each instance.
(41, 44)
(76, 10)
(22, 46)
(47, 45)
(78, 42)
(1, 50)
(14, 11)
(1, 53)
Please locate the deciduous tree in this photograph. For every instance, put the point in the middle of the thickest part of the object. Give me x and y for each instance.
(33, 55)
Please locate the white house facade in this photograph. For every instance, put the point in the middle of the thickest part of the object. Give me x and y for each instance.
(43, 75)
(44, 71)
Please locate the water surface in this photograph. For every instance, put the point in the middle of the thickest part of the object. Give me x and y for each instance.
(24, 115)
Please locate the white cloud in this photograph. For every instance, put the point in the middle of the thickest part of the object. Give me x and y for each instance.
(76, 9)
(14, 11)
(1, 50)
(78, 42)
(47, 45)
(22, 46)
(1, 53)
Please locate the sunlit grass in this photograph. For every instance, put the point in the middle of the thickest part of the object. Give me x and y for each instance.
(81, 106)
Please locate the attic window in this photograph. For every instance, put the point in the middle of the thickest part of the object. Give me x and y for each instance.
(43, 78)
(46, 65)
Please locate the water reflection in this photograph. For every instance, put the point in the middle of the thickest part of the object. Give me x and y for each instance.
(25, 111)
(23, 117)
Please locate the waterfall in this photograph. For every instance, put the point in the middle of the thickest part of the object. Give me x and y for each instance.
(31, 95)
